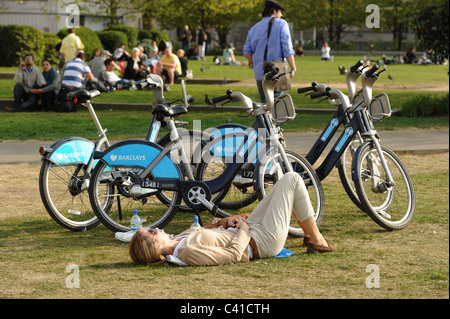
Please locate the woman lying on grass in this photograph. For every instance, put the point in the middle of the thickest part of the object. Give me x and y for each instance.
(241, 238)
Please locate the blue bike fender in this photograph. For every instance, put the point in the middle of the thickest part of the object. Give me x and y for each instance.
(70, 150)
(355, 168)
(141, 153)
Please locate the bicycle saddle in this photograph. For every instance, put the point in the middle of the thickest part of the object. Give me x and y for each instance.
(164, 110)
(82, 96)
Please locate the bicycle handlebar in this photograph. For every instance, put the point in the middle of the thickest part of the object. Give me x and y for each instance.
(307, 89)
(355, 67)
(218, 99)
(371, 72)
(269, 75)
(316, 95)
(145, 84)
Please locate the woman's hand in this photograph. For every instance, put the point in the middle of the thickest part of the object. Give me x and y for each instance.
(241, 223)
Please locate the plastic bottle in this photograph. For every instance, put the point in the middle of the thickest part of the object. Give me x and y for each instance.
(135, 221)
(195, 223)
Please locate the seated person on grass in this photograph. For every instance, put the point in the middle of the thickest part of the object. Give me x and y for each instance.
(169, 66)
(112, 78)
(27, 77)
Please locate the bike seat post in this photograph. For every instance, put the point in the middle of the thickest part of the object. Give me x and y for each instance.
(101, 132)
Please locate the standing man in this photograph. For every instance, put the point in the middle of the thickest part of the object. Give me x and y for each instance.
(185, 38)
(27, 78)
(279, 44)
(70, 44)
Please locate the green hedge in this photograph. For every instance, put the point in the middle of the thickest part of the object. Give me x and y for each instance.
(154, 35)
(19, 40)
(131, 32)
(89, 38)
(111, 39)
(50, 42)
(426, 105)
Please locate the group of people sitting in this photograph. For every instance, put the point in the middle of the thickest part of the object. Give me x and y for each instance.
(47, 90)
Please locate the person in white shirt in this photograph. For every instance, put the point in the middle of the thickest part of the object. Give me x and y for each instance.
(111, 77)
(326, 52)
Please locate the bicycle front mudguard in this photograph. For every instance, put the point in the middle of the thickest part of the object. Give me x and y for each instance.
(69, 151)
(355, 161)
(140, 153)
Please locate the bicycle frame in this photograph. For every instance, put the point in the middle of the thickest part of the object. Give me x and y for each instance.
(151, 157)
(72, 150)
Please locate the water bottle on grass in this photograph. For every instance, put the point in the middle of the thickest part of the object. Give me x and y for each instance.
(195, 223)
(135, 222)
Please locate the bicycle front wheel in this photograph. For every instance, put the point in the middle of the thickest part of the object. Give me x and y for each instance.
(65, 196)
(113, 203)
(273, 168)
(391, 207)
(345, 171)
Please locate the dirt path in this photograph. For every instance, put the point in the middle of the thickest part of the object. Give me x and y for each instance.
(380, 86)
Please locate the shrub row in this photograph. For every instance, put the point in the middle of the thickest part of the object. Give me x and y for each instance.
(426, 105)
(21, 39)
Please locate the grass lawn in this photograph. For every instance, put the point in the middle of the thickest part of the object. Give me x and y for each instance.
(409, 81)
(413, 263)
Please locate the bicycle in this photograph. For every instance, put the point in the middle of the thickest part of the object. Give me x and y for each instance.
(65, 171)
(139, 173)
(260, 177)
(383, 186)
(68, 163)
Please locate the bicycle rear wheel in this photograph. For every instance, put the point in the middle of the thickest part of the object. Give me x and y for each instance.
(64, 196)
(391, 207)
(238, 194)
(272, 169)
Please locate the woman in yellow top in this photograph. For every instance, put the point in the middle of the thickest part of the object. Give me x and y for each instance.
(169, 65)
(262, 234)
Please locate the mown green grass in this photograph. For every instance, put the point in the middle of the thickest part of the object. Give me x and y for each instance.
(413, 262)
(134, 124)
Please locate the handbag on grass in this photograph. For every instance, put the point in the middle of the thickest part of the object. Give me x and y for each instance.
(284, 83)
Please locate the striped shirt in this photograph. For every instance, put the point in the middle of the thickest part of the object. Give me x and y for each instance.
(75, 70)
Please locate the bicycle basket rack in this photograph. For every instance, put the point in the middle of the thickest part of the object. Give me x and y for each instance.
(380, 108)
(283, 109)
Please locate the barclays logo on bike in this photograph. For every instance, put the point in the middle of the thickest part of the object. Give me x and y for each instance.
(62, 156)
(114, 157)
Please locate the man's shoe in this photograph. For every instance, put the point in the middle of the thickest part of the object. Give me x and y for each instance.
(8, 109)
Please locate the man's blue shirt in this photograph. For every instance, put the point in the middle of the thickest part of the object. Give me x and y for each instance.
(280, 43)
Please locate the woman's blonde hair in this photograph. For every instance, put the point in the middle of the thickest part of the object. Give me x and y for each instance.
(142, 249)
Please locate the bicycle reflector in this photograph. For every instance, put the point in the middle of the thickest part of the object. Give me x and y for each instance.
(44, 150)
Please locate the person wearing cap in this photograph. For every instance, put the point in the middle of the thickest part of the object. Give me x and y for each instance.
(97, 64)
(279, 44)
(50, 90)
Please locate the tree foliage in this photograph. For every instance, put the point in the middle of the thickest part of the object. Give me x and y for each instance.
(218, 14)
(432, 28)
